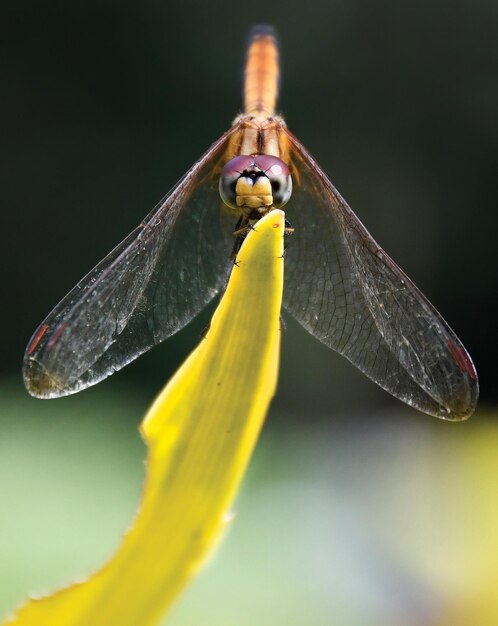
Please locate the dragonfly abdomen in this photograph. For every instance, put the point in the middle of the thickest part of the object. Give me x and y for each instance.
(261, 74)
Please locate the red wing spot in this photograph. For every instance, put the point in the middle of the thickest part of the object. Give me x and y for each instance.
(456, 355)
(462, 359)
(56, 336)
(276, 225)
(468, 363)
(36, 339)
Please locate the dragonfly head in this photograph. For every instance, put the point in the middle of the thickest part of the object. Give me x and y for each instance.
(255, 184)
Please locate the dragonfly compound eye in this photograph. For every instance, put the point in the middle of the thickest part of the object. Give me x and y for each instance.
(255, 182)
(230, 174)
(278, 173)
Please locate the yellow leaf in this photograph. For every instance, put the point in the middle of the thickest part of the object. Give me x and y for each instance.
(201, 432)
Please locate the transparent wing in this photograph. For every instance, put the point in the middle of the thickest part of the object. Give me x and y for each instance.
(346, 291)
(146, 289)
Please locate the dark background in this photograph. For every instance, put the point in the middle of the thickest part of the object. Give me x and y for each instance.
(350, 495)
(106, 104)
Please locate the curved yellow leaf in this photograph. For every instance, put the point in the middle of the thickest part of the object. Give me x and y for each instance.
(201, 432)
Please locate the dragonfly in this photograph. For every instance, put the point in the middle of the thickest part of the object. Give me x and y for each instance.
(339, 283)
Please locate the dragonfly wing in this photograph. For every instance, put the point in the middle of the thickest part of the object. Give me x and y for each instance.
(346, 291)
(146, 289)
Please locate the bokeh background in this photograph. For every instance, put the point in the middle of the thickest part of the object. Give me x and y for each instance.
(356, 510)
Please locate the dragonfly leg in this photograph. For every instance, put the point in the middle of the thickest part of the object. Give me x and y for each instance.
(288, 230)
(241, 229)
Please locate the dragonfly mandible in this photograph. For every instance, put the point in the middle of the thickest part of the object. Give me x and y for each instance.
(339, 283)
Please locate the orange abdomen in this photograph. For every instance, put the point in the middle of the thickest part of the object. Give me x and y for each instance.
(261, 74)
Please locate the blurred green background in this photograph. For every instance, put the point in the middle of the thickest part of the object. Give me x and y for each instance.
(356, 509)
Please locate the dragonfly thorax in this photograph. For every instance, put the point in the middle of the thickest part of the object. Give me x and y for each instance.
(254, 184)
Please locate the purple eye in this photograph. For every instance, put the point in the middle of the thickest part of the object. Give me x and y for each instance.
(280, 178)
(230, 174)
(238, 165)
